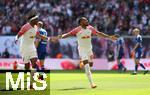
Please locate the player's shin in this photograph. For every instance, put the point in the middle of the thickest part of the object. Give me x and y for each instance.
(33, 70)
(142, 66)
(88, 73)
(136, 68)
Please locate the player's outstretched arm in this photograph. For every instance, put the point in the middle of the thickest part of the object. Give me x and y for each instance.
(100, 34)
(50, 39)
(64, 35)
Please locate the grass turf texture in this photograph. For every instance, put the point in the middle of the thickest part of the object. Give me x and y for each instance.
(108, 82)
(3, 90)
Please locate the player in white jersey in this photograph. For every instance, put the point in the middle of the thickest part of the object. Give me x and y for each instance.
(27, 33)
(83, 33)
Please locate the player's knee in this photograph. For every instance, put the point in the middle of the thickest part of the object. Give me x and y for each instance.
(85, 62)
(33, 61)
(91, 64)
(27, 66)
(137, 61)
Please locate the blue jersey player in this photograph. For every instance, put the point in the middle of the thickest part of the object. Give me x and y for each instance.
(138, 51)
(41, 45)
(120, 52)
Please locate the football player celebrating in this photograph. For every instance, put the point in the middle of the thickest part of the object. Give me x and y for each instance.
(84, 33)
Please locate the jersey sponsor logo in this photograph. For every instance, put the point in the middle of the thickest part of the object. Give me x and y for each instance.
(85, 37)
(32, 36)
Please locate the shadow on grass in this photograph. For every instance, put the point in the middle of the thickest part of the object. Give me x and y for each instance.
(11, 89)
(74, 88)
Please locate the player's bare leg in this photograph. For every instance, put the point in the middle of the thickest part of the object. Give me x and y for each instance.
(27, 66)
(142, 66)
(42, 64)
(33, 70)
(136, 66)
(42, 68)
(91, 60)
(137, 63)
(91, 65)
(120, 66)
(88, 73)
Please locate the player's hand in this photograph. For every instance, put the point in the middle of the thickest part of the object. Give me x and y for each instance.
(132, 54)
(59, 36)
(132, 51)
(16, 39)
(113, 38)
(54, 39)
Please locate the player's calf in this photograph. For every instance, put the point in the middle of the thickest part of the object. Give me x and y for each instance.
(27, 66)
(91, 64)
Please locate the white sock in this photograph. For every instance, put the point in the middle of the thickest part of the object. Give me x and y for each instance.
(88, 73)
(21, 66)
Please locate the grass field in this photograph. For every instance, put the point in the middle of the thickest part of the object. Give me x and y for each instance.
(76, 83)
(108, 82)
(3, 90)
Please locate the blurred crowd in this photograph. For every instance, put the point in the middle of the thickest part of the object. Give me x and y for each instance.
(60, 16)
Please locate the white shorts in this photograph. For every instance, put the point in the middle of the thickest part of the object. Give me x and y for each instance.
(26, 56)
(86, 54)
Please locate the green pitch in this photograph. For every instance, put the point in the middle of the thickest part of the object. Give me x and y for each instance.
(108, 82)
(3, 90)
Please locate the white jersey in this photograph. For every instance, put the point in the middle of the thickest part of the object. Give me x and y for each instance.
(28, 34)
(84, 36)
(84, 41)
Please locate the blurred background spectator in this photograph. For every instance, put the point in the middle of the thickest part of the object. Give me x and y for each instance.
(5, 54)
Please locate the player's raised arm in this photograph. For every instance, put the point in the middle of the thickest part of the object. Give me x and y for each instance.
(101, 34)
(71, 33)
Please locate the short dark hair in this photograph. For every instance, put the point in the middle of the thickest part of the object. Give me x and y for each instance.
(31, 13)
(79, 20)
(31, 16)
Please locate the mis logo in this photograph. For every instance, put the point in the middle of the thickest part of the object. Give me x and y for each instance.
(15, 85)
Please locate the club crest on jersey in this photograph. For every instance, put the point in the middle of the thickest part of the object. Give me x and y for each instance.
(32, 36)
(85, 37)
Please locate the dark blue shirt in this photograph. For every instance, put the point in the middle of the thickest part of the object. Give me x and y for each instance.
(120, 43)
(138, 40)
